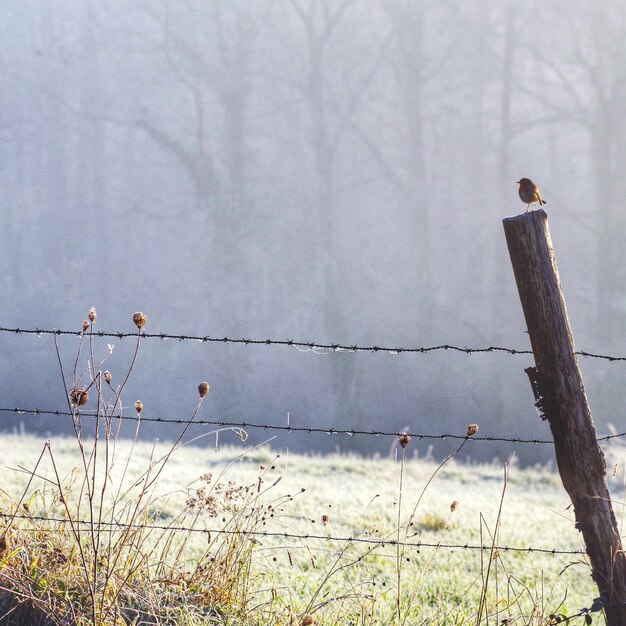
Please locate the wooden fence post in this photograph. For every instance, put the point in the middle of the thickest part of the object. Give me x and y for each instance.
(559, 385)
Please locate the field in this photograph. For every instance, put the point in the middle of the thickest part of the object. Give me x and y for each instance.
(249, 575)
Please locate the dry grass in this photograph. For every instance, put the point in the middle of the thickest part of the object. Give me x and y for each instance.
(82, 548)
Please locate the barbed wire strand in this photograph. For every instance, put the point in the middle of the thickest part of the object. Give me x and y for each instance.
(308, 345)
(287, 535)
(301, 429)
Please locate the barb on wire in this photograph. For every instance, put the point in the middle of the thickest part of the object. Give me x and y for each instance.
(286, 535)
(306, 345)
(296, 429)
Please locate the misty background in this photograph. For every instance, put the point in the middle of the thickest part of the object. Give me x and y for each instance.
(320, 170)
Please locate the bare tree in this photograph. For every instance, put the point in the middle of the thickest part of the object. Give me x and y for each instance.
(330, 88)
(583, 82)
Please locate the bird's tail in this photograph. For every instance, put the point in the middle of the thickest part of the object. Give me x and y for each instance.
(542, 201)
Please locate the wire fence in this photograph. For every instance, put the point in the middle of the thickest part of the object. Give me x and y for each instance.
(293, 429)
(306, 345)
(355, 539)
(362, 538)
(277, 427)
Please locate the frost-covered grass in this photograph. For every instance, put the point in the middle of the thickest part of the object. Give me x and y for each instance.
(288, 580)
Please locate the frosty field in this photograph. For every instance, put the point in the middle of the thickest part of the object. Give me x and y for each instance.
(348, 580)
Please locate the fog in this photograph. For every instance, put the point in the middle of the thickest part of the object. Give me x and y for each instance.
(333, 171)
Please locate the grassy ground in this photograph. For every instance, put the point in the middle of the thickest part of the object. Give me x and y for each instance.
(288, 580)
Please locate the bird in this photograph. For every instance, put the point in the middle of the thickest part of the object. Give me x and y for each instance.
(529, 193)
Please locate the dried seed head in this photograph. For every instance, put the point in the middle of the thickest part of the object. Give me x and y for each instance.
(454, 506)
(85, 325)
(325, 519)
(79, 396)
(92, 315)
(203, 389)
(307, 620)
(472, 429)
(403, 440)
(107, 376)
(139, 406)
(140, 319)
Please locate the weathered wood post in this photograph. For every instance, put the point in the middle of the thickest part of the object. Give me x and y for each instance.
(558, 382)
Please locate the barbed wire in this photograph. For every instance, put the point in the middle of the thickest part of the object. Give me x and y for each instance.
(306, 345)
(287, 535)
(299, 429)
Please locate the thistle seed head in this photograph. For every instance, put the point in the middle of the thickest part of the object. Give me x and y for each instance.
(203, 389)
(78, 396)
(140, 319)
(403, 440)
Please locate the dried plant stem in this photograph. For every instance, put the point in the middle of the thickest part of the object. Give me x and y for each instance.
(399, 549)
(430, 480)
(89, 487)
(401, 542)
(336, 567)
(483, 595)
(75, 527)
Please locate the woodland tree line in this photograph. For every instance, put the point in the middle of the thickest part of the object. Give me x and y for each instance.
(328, 170)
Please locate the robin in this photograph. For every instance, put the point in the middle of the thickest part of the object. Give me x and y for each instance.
(529, 193)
